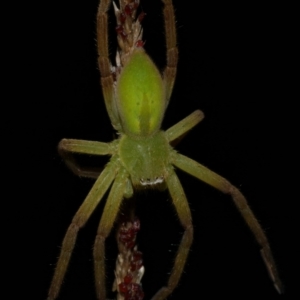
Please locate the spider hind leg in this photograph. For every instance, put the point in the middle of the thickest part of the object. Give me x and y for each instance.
(183, 211)
(108, 218)
(204, 174)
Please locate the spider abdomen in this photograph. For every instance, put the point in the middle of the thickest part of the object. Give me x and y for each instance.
(140, 95)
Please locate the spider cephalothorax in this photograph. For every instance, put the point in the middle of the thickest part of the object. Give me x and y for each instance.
(136, 96)
(146, 160)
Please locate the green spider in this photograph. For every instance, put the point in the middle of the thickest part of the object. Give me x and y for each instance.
(136, 96)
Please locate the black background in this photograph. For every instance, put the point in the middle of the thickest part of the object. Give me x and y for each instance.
(231, 62)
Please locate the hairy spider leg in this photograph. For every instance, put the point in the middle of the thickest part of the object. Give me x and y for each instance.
(183, 211)
(93, 198)
(204, 174)
(108, 218)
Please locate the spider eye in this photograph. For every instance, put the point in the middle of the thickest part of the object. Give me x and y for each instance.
(148, 181)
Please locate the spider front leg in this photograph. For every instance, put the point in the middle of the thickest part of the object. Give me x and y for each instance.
(104, 63)
(204, 174)
(182, 208)
(182, 127)
(67, 147)
(93, 198)
(169, 73)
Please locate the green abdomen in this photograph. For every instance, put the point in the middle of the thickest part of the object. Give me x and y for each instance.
(140, 95)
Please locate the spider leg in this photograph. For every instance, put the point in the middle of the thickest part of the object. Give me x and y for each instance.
(199, 171)
(108, 218)
(88, 206)
(104, 63)
(68, 146)
(169, 73)
(182, 208)
(182, 127)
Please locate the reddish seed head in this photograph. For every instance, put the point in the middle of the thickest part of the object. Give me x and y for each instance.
(139, 44)
(123, 288)
(141, 295)
(141, 16)
(119, 29)
(136, 224)
(134, 266)
(132, 291)
(127, 236)
(123, 227)
(130, 245)
(123, 34)
(128, 9)
(135, 287)
(137, 255)
(136, 4)
(122, 17)
(135, 292)
(125, 239)
(128, 279)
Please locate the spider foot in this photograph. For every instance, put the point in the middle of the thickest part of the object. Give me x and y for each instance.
(270, 264)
